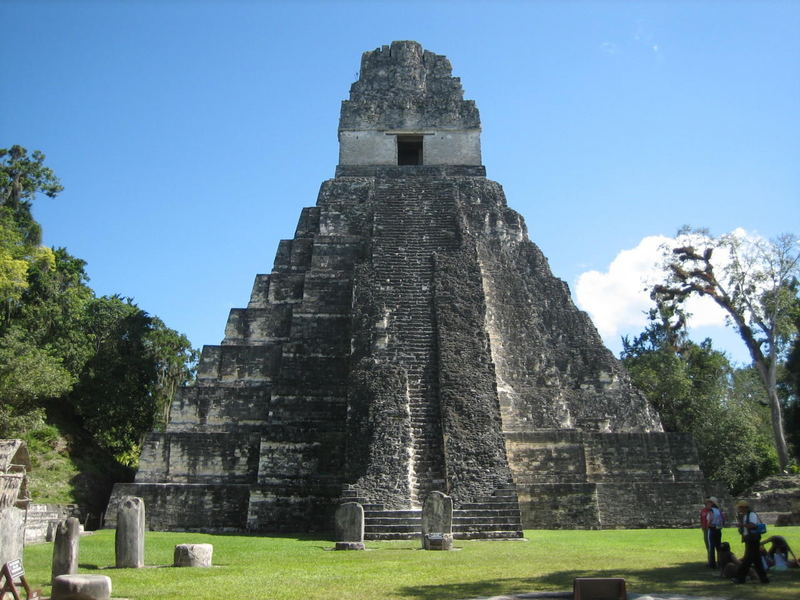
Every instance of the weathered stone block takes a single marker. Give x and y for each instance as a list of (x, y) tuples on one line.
[(437, 541), (349, 546), (193, 555), (81, 587)]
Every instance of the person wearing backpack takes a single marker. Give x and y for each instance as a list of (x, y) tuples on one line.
[(714, 530), (750, 527)]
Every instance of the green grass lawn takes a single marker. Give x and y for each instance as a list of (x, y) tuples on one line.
[(304, 567)]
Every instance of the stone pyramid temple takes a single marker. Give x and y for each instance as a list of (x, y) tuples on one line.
[(411, 338)]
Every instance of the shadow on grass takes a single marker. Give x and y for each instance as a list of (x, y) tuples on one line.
[(685, 578), (298, 537)]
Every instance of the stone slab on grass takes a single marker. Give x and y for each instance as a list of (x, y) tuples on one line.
[(81, 587), (193, 555)]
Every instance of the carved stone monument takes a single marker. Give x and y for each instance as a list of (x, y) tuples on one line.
[(349, 526), (411, 338), (437, 522), (129, 541), (66, 548)]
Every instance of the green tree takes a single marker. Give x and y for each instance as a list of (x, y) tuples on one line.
[(754, 282), (54, 310), (132, 374), (696, 391), (30, 371), (175, 364), (29, 375), (745, 431), (21, 178)]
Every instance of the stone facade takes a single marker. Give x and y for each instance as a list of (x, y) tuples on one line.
[(14, 498), (411, 338), (776, 499)]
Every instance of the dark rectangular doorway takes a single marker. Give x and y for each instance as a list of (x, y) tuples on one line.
[(409, 149)]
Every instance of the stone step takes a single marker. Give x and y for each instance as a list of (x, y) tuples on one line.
[(392, 528), (399, 514), (505, 491), (488, 535), (495, 534), (484, 505), (485, 513), (411, 521), (488, 526), (391, 536), (486, 520)]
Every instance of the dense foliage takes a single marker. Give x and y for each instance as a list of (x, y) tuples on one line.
[(100, 368), (696, 390)]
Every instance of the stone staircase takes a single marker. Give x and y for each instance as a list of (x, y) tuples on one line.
[(413, 219), (490, 517)]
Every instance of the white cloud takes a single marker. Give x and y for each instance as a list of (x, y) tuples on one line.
[(618, 300)]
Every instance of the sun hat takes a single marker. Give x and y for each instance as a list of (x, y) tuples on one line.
[(713, 499), (743, 503)]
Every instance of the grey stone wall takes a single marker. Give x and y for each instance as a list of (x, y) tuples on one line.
[(199, 457), (41, 520), (553, 370), (379, 433), (474, 448), (185, 507), (573, 479)]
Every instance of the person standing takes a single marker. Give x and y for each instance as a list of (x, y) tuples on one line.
[(713, 531), (704, 521), (748, 521)]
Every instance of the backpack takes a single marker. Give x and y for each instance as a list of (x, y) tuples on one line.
[(761, 528), (715, 519)]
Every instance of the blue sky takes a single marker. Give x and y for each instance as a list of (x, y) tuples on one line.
[(189, 135)]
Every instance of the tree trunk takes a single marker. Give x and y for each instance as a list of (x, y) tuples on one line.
[(777, 428), (768, 378), (767, 372)]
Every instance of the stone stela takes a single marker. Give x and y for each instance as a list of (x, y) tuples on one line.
[(349, 526), (66, 548), (411, 338), (437, 522), (129, 538)]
